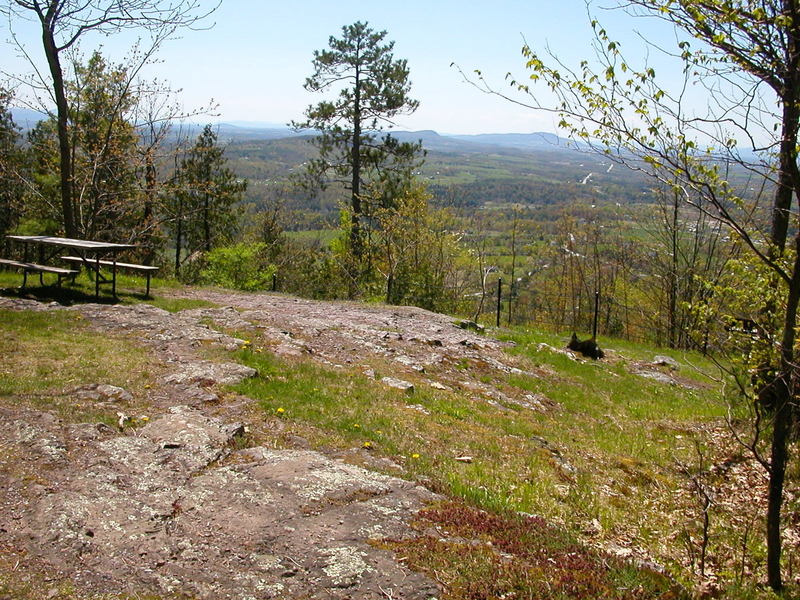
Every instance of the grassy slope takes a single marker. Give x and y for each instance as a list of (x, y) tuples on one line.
[(610, 460), (599, 416)]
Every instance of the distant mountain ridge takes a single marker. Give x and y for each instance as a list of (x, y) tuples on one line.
[(431, 140)]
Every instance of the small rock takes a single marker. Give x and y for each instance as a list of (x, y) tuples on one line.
[(206, 373), (593, 528), (297, 441), (399, 384), (666, 361), (559, 459), (104, 428), (534, 401), (287, 350), (471, 325), (102, 392), (195, 394), (408, 362), (233, 430), (438, 386), (657, 376)]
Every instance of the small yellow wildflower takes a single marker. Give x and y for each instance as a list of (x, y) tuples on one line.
[(259, 349), (415, 455), (366, 445), (144, 418), (280, 410), (379, 432), (147, 386), (356, 426)]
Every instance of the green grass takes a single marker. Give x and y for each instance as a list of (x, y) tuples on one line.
[(46, 354), (508, 473), (615, 431), (178, 304), (610, 461)]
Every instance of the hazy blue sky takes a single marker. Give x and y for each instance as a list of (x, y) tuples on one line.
[(254, 60)]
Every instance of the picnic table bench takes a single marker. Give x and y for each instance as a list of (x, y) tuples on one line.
[(29, 267), (91, 253), (146, 269)]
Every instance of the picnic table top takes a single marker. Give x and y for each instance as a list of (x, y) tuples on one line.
[(69, 243)]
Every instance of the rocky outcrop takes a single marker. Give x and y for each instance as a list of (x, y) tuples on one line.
[(173, 507)]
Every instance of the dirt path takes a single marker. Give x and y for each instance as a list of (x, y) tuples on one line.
[(176, 508)]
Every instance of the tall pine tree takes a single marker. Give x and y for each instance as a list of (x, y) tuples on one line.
[(373, 88)]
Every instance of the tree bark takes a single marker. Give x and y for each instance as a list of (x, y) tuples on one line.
[(781, 210), (150, 178), (672, 319), (179, 235), (62, 114), (355, 198), (784, 393), (783, 414), (206, 223), (789, 96)]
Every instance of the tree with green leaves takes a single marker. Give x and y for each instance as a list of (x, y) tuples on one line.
[(205, 192), (104, 142), (63, 24), (746, 54), (416, 252), (103, 162), (373, 87), (12, 164)]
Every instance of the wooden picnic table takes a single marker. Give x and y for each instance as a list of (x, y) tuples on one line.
[(90, 252)]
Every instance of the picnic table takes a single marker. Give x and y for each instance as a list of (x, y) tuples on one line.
[(90, 254)]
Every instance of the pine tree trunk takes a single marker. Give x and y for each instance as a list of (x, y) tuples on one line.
[(179, 236), (356, 245)]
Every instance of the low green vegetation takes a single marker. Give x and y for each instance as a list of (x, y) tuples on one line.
[(48, 354), (239, 267), (602, 449)]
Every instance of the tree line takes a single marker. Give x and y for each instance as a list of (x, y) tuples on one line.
[(131, 180)]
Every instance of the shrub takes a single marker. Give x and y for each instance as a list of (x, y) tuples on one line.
[(240, 267)]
